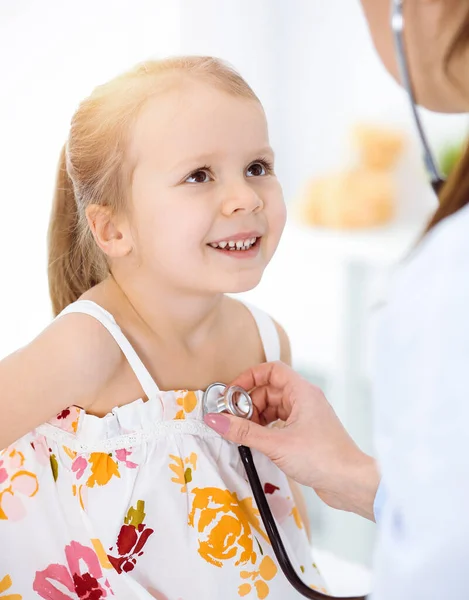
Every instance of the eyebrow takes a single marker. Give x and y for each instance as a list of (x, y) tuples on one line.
[(201, 159)]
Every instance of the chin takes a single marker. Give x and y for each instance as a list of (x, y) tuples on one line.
[(245, 283)]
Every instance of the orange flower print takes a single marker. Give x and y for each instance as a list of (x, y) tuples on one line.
[(183, 469), (295, 513), (5, 584), (188, 401), (226, 526), (16, 485), (266, 572), (96, 469), (80, 492), (103, 468), (317, 588)]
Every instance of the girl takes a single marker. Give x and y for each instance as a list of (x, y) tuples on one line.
[(166, 200)]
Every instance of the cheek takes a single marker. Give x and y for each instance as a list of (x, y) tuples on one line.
[(277, 215), (171, 231)]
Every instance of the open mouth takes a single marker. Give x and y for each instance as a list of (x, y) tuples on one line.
[(236, 246)]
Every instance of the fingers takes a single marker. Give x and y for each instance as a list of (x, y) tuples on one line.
[(244, 432), (269, 405), (275, 374), (268, 384)]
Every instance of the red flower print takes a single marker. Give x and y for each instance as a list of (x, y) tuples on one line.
[(132, 538), (87, 587), (81, 576), (270, 488)]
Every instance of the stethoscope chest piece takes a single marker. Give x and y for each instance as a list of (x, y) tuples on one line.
[(233, 399)]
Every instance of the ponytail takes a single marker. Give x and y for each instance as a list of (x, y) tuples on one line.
[(71, 270)]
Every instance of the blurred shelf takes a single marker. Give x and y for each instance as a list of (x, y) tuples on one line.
[(379, 246)]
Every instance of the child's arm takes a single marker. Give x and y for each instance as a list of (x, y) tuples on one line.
[(298, 498), (67, 364)]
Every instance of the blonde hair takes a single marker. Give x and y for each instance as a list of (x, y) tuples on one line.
[(91, 168)]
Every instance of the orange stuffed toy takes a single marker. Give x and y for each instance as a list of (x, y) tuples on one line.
[(360, 197)]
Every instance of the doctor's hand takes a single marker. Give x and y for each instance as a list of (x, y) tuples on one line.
[(313, 447)]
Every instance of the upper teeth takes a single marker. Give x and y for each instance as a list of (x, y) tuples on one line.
[(235, 245)]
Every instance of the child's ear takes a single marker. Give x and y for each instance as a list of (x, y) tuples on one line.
[(110, 233)]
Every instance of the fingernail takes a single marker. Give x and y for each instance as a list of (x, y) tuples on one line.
[(220, 423)]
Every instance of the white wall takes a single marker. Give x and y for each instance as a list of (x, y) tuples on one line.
[(52, 54)]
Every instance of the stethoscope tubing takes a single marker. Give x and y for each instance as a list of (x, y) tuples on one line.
[(274, 535), (220, 398)]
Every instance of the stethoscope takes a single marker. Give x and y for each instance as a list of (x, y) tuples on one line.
[(233, 399), (219, 398), (397, 27)]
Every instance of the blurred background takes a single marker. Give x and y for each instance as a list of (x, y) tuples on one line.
[(347, 156)]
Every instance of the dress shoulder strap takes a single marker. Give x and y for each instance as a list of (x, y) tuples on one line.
[(267, 331), (92, 309)]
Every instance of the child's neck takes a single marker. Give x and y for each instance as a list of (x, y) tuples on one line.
[(174, 317)]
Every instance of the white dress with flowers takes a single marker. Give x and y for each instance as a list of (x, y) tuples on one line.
[(145, 502)]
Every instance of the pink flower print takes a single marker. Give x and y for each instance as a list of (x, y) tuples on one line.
[(67, 419), (22, 483), (16, 484), (14, 459), (79, 466), (3, 473), (122, 455), (280, 506), (83, 584), (41, 450)]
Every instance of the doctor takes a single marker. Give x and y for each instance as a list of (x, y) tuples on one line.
[(419, 490)]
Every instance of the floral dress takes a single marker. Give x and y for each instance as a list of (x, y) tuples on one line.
[(145, 502)]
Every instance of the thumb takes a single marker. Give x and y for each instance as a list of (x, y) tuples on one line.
[(243, 432)]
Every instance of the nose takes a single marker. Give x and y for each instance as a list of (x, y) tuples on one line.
[(241, 198)]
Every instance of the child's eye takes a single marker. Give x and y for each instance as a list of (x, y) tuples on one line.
[(200, 176), (259, 168)]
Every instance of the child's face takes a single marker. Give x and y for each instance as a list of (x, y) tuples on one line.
[(202, 177)]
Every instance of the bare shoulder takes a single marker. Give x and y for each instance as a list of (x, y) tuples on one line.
[(241, 316), (84, 343), (285, 347), (66, 364)]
